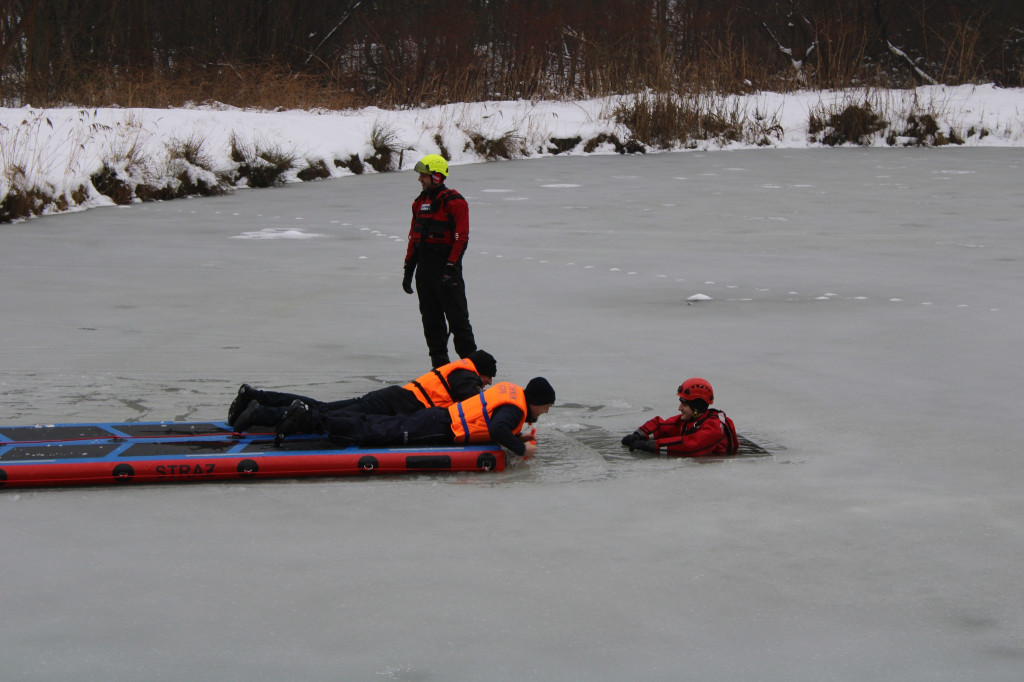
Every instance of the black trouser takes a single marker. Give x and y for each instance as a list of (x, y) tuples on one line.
[(443, 308), (431, 426), (388, 400)]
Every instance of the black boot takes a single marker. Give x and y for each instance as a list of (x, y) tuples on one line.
[(246, 394), (257, 415), (296, 419)]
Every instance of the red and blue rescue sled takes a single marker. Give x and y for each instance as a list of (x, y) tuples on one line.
[(186, 452)]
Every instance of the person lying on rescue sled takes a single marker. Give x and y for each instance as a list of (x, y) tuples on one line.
[(440, 387), (497, 415), (696, 431)]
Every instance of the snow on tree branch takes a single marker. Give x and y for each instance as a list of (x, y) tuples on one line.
[(910, 62)]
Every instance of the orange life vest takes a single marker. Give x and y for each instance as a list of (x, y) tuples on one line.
[(432, 388), (471, 418)]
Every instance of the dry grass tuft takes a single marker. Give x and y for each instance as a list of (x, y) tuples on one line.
[(259, 165), (508, 145), (849, 124), (314, 170), (665, 121), (387, 147)]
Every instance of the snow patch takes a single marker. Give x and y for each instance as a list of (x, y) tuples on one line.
[(278, 233)]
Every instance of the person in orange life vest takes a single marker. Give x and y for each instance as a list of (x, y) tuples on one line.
[(696, 431), (440, 387), (437, 242), (497, 415)]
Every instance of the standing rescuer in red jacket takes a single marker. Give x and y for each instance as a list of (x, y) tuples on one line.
[(696, 431), (437, 243)]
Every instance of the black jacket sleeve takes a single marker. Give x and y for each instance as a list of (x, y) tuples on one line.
[(503, 423), (463, 384)]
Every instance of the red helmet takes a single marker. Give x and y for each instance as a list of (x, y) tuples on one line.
[(695, 388)]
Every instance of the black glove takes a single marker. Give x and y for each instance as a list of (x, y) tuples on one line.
[(633, 437), (407, 280), (645, 445), (450, 278)]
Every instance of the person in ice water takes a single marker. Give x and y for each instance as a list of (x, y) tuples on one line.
[(497, 415), (440, 387), (437, 242), (696, 431)]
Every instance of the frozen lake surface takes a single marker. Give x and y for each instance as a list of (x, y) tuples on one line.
[(865, 311)]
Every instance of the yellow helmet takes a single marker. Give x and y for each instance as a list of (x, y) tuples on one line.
[(432, 163)]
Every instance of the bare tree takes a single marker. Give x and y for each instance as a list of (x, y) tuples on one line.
[(400, 52)]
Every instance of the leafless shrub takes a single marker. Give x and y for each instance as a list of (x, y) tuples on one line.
[(191, 169), (854, 123), (665, 121), (507, 145), (387, 147), (190, 150), (22, 199), (112, 182), (439, 141), (560, 145), (259, 165), (921, 129), (352, 163), (314, 170), (630, 146)]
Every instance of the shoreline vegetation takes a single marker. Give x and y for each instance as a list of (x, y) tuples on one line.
[(80, 84), (59, 160), (351, 54)]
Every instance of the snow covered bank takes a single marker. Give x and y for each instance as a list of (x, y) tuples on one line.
[(65, 159)]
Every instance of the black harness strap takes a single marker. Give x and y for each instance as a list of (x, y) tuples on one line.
[(444, 383), (423, 392)]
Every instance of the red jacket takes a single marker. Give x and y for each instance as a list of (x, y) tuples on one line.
[(440, 226), (709, 435)]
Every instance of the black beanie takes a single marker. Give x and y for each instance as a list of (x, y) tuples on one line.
[(539, 392), (484, 362)]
